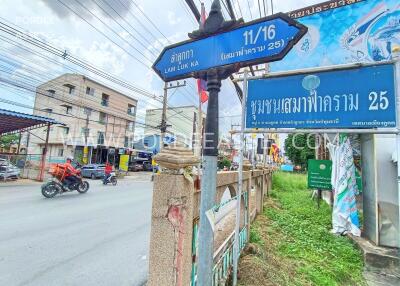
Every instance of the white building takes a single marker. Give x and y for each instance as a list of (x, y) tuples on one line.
[(183, 121), (94, 115)]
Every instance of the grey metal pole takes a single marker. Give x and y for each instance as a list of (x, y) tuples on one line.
[(164, 116), (265, 145), (236, 250), (199, 129), (209, 182), (396, 56)]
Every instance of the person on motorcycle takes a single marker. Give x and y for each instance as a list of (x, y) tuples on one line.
[(107, 171), (71, 172)]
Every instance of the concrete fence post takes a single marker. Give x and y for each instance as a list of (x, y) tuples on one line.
[(170, 258)]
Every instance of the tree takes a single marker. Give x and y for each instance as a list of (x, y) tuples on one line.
[(7, 140), (224, 162), (299, 148)]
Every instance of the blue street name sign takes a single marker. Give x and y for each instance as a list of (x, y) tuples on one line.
[(264, 40), (351, 98)]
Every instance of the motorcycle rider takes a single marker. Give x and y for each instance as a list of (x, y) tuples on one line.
[(107, 171), (71, 172)]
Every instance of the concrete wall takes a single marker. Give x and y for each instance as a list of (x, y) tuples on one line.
[(175, 211)]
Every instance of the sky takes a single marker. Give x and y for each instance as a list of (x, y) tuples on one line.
[(121, 37)]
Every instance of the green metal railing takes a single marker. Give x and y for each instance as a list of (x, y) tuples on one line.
[(224, 262), (223, 266)]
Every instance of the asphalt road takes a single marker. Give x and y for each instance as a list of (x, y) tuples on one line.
[(98, 238)]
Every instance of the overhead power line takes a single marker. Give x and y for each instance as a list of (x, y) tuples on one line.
[(66, 56), (148, 19), (126, 30), (105, 35), (248, 5), (81, 63)]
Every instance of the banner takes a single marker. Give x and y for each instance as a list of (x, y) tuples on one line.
[(348, 98), (344, 183), (124, 162), (363, 32)]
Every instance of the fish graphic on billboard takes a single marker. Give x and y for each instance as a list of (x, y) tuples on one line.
[(356, 37)]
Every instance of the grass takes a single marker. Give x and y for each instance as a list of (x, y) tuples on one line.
[(291, 243)]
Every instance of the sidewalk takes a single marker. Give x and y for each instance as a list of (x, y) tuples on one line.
[(139, 176), (19, 182)]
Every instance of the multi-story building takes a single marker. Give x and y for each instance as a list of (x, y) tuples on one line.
[(183, 126), (94, 115)]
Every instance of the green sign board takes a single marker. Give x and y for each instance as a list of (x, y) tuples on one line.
[(319, 174)]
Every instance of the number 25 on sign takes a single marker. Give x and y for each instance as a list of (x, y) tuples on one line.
[(378, 102)]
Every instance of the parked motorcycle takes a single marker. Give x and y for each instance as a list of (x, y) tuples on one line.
[(112, 179), (58, 183)]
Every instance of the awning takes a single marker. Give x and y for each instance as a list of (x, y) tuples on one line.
[(14, 122)]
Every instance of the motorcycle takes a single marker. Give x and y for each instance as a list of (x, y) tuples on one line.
[(112, 179), (58, 184)]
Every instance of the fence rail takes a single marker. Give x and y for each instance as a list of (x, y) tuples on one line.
[(28, 165)]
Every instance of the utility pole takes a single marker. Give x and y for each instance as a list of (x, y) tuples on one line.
[(88, 112), (19, 142), (44, 154), (232, 142), (163, 125), (232, 126), (265, 148)]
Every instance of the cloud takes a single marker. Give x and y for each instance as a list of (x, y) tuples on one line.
[(173, 19), (121, 7)]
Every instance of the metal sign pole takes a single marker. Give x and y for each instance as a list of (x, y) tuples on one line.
[(209, 182), (396, 56), (236, 250)]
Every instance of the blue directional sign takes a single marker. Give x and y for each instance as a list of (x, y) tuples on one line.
[(264, 40), (350, 98)]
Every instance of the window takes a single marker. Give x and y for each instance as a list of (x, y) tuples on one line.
[(104, 99), (90, 90), (71, 89), (65, 130), (100, 138), (131, 126), (126, 142), (68, 108), (60, 152), (48, 110), (51, 92), (103, 118), (85, 131), (87, 111), (131, 109)]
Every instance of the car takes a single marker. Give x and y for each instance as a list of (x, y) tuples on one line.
[(135, 166), (147, 166), (8, 170), (94, 171)]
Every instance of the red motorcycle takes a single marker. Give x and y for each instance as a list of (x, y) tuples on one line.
[(62, 183)]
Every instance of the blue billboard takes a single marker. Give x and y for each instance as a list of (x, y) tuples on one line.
[(351, 98), (340, 32)]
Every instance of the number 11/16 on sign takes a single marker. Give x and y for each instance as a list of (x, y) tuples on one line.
[(264, 40)]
